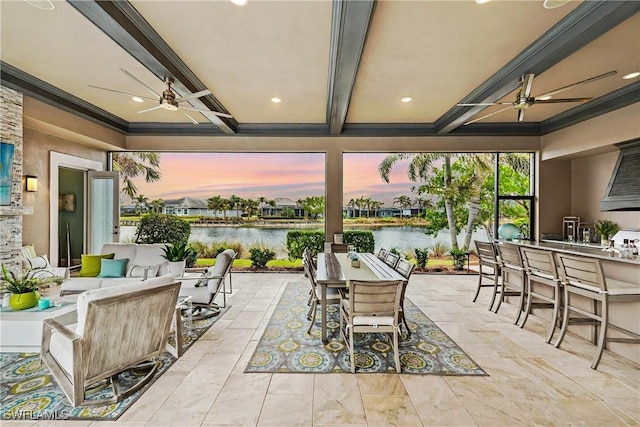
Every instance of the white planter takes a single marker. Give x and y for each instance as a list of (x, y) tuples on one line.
[(176, 268)]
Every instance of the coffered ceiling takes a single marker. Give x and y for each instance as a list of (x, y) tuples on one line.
[(340, 68)]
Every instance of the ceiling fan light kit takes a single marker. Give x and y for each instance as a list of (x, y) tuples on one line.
[(553, 4), (524, 99), (168, 100)]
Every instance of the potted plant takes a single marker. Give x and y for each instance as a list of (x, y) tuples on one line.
[(177, 255), (23, 289), (607, 229)]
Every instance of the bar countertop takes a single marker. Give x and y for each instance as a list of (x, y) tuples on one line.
[(592, 250)]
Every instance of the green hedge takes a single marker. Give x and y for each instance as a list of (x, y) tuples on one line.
[(362, 240), (161, 228), (297, 240)]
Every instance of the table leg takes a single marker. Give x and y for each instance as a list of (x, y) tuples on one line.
[(323, 311)]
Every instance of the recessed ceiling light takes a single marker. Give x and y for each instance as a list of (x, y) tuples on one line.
[(482, 1), (544, 98), (631, 75), (239, 2), (137, 99), (276, 100), (406, 99), (552, 4), (42, 4)]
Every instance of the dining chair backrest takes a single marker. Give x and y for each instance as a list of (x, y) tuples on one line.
[(539, 262), (509, 256), (486, 252), (581, 271), (379, 298), (405, 268), (382, 254), (392, 259)]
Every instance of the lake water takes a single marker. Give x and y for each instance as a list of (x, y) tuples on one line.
[(403, 238)]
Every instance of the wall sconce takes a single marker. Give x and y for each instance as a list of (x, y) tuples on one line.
[(31, 183)]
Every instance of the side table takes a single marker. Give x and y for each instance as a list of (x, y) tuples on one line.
[(183, 304)]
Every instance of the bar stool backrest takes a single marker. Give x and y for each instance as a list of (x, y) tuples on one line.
[(581, 271), (509, 256), (486, 253), (539, 262)]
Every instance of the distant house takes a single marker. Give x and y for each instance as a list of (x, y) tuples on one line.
[(281, 207), (186, 206)]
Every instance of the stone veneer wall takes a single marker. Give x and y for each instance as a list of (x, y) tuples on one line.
[(11, 216)]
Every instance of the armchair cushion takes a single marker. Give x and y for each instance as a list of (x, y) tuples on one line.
[(38, 262), (91, 264)]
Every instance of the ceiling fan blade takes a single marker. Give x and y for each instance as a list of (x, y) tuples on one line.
[(559, 100), (149, 109), (527, 84), (123, 93), (141, 82), (189, 117), (589, 80), (228, 116), (520, 115), (477, 104), (194, 95), (488, 115)]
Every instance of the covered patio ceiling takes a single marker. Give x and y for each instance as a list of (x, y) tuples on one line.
[(339, 68)]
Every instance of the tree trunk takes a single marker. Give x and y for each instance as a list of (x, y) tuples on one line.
[(474, 208), (448, 204)]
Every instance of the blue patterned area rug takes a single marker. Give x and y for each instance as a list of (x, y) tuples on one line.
[(286, 347), (29, 391)]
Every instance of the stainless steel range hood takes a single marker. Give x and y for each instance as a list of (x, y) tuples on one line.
[(623, 191)]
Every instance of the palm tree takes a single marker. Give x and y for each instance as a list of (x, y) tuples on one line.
[(236, 203), (141, 202), (133, 164), (214, 203), (225, 205), (352, 203), (156, 205), (403, 202), (376, 205), (250, 207), (271, 203)]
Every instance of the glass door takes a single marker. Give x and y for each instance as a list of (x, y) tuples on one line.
[(103, 210)]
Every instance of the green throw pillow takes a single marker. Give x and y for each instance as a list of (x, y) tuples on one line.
[(91, 264), (112, 267)]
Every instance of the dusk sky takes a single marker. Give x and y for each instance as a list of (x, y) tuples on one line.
[(272, 175)]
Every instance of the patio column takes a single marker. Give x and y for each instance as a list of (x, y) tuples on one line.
[(333, 190)]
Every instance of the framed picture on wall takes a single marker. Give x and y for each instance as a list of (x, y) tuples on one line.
[(67, 202), (6, 173)]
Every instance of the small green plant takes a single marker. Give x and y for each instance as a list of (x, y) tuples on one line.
[(439, 250), (395, 251), (19, 285), (178, 252), (459, 257), (606, 228), (260, 256), (422, 257)]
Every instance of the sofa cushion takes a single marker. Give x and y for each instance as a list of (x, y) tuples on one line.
[(80, 284), (38, 262), (27, 251), (149, 255), (61, 349), (86, 297), (113, 267), (122, 250), (91, 264)]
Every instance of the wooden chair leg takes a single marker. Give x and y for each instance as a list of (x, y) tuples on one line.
[(554, 316), (602, 337), (479, 285), (523, 295), (565, 319), (396, 352), (495, 288), (527, 308), (313, 310)]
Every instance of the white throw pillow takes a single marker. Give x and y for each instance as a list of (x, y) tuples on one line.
[(38, 262)]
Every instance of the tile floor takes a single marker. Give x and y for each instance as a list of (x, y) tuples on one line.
[(529, 382)]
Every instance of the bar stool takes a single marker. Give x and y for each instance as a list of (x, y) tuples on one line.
[(489, 267), (583, 276), (540, 267), (513, 277)]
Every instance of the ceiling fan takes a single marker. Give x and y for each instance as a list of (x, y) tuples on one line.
[(524, 99), (168, 100)]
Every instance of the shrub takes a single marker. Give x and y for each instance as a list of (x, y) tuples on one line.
[(422, 257), (362, 240), (459, 257), (395, 251), (298, 240), (162, 228), (261, 256), (439, 250)]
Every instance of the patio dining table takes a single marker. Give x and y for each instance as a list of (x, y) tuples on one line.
[(334, 270)]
